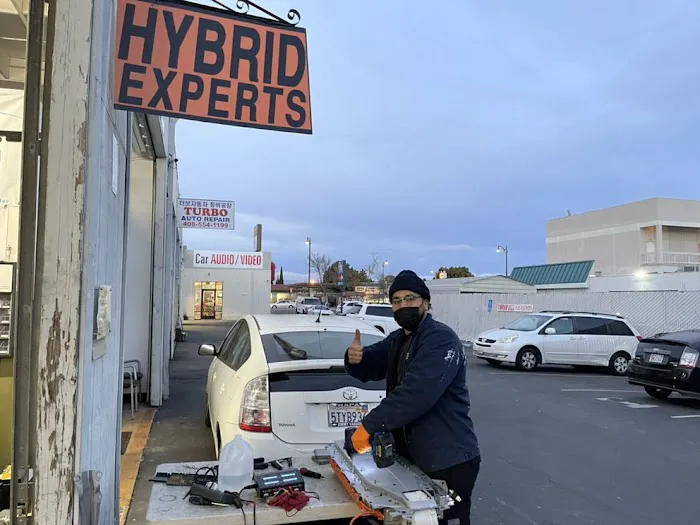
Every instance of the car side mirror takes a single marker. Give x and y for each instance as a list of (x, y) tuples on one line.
[(550, 331), (207, 350)]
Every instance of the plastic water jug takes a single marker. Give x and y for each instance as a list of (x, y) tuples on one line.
[(235, 465)]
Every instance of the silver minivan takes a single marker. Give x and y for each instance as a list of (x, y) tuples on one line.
[(561, 338)]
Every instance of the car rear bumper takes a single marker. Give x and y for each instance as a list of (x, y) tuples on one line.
[(683, 381)]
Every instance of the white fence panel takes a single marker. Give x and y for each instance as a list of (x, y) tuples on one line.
[(648, 312)]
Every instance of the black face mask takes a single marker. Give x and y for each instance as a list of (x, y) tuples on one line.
[(408, 317)]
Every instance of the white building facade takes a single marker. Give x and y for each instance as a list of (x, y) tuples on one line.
[(219, 285), (652, 236)]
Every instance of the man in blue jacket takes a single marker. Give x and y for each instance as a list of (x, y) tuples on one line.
[(427, 402)]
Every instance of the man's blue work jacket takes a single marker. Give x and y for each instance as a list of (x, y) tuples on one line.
[(427, 395)]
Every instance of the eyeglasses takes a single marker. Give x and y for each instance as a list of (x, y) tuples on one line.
[(406, 299)]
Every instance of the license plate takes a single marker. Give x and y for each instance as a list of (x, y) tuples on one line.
[(346, 414), (656, 358)]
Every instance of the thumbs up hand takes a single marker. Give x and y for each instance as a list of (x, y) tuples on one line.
[(355, 350)]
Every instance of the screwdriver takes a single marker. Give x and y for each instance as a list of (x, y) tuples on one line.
[(309, 473)]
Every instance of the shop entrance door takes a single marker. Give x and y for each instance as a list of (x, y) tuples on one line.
[(208, 304), (208, 300)]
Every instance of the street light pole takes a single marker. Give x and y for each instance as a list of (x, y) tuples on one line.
[(308, 242), (384, 287), (504, 249)]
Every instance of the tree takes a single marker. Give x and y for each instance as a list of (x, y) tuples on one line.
[(455, 272), (331, 275), (374, 267), (356, 277), (387, 281), (321, 264), (353, 276), (280, 279)]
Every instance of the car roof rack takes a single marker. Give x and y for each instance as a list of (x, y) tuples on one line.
[(579, 312)]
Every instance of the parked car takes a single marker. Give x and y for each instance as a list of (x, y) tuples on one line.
[(381, 316), (303, 303), (667, 363), (279, 381), (351, 309), (319, 309), (561, 338), (347, 306), (284, 305)]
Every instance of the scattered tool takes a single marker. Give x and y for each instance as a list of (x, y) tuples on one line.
[(182, 479), (382, 447), (261, 464), (349, 448), (201, 495), (310, 473), (291, 500), (321, 456)]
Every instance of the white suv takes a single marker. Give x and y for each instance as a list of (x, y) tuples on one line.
[(561, 338), (381, 316), (303, 304)]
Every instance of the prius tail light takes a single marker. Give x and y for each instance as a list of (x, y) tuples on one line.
[(255, 407)]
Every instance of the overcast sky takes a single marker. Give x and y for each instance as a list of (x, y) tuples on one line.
[(439, 135)]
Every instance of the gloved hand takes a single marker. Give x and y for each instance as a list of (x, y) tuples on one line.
[(360, 440)]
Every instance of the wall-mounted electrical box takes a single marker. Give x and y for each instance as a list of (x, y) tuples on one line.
[(102, 322)]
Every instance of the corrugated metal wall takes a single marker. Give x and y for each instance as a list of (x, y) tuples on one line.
[(100, 371), (649, 312)]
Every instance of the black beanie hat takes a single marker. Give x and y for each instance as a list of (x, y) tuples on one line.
[(408, 280)]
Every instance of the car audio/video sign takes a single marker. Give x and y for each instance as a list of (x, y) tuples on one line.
[(201, 63), (206, 214), (227, 260)]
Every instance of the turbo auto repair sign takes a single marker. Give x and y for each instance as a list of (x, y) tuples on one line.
[(235, 260), (206, 214), (197, 62)]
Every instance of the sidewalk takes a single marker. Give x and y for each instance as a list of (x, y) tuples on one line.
[(178, 432)]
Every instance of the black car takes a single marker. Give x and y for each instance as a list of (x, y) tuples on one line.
[(666, 363)]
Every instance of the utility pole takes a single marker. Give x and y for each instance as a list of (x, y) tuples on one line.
[(308, 242), (504, 249), (384, 286)]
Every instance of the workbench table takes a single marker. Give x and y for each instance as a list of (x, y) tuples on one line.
[(169, 506)]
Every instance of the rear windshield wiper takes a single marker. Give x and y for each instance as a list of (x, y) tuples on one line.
[(289, 349)]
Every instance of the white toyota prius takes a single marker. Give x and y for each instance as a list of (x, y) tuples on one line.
[(279, 382)]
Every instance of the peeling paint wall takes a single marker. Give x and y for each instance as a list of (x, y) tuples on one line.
[(83, 236), (100, 376)]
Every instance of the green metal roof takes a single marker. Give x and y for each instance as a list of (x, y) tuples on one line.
[(560, 273)]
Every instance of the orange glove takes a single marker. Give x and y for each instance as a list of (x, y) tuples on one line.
[(360, 440)]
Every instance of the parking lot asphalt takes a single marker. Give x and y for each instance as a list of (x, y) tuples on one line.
[(571, 448), (559, 447)]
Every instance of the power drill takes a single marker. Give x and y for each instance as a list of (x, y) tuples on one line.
[(382, 447)]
